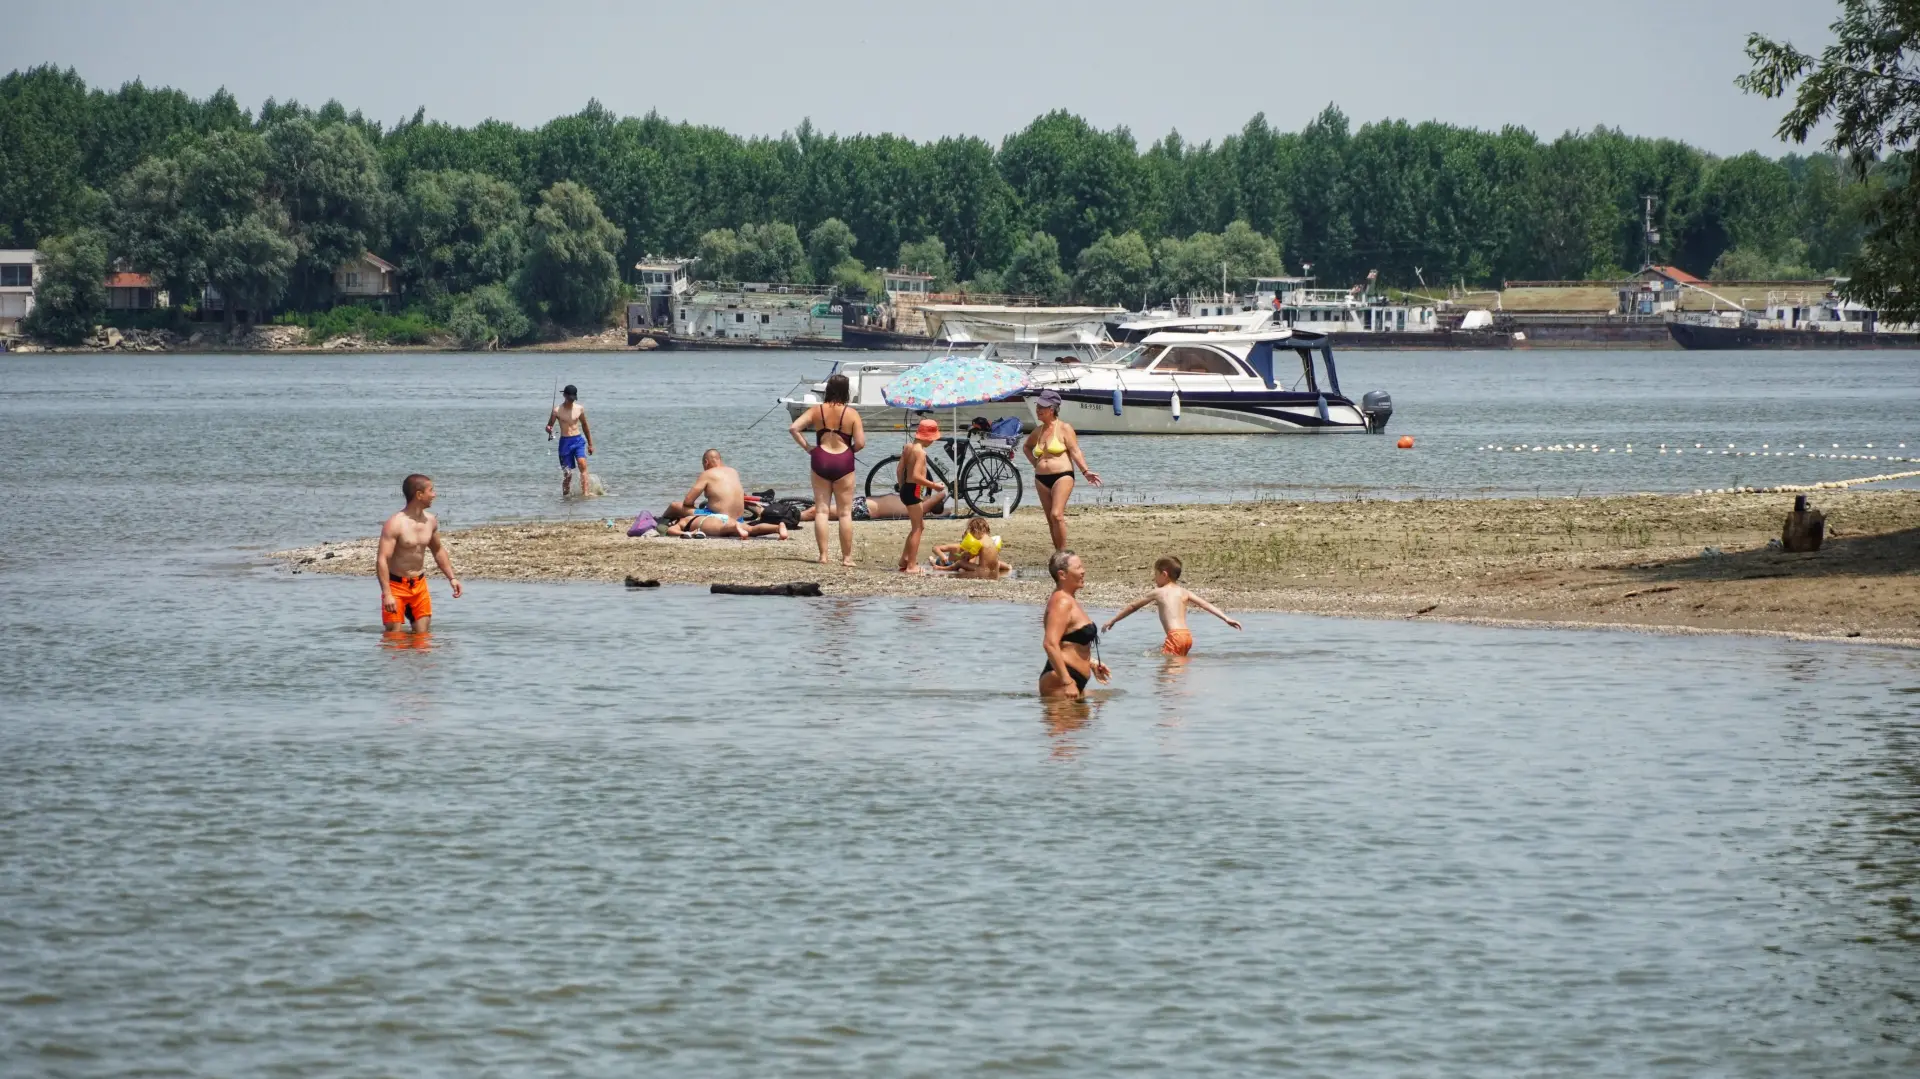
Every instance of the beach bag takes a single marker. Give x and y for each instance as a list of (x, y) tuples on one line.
[(779, 513), (642, 523)]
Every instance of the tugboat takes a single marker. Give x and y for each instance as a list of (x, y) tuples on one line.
[(1795, 320)]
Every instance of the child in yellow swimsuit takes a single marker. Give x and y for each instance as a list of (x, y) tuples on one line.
[(976, 555)]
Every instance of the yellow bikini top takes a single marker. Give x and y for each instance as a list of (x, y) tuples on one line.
[(970, 544), (1053, 448)]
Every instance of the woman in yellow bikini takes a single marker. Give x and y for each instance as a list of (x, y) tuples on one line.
[(1053, 449)]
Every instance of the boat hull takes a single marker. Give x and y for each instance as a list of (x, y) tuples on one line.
[(888, 340), (1694, 336), (1238, 413)]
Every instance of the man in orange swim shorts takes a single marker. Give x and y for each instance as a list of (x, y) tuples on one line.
[(401, 562), (1172, 599)]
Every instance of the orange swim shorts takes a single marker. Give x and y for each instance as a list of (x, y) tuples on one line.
[(411, 600), (1178, 643)]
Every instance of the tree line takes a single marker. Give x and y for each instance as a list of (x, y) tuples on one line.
[(497, 229)]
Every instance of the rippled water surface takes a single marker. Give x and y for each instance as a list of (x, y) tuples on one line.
[(583, 831)]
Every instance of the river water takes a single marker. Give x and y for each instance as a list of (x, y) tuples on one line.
[(581, 831)]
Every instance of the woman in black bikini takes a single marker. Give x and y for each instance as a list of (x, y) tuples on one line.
[(1054, 449), (841, 435), (1070, 634)]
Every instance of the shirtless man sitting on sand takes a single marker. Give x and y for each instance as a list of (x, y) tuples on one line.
[(402, 561), (726, 504)]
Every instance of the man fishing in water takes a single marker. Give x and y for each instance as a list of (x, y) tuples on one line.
[(576, 440), (401, 562)]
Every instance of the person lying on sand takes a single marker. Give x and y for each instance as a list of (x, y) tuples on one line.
[(1172, 600), (726, 505), (883, 507)]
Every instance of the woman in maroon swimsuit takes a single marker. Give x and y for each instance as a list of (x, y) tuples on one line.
[(831, 456)]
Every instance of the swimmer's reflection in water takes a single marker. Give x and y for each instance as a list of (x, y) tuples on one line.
[(406, 641), (1066, 718)]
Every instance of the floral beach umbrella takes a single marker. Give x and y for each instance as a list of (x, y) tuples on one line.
[(955, 382)]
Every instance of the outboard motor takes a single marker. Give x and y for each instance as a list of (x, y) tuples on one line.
[(1377, 407)]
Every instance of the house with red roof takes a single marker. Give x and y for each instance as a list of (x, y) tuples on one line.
[(133, 292)]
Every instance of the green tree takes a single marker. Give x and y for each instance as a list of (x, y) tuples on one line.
[(251, 262), (719, 255), (1035, 270), (1115, 270), (929, 256), (42, 123), (571, 274), (1195, 266), (1864, 85), (772, 252), (488, 317), (329, 183), (829, 244), (70, 292), (1755, 264), (204, 216), (1074, 182), (455, 231)]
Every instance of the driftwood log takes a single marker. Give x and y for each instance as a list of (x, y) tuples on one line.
[(797, 588), (635, 582), (1805, 528)]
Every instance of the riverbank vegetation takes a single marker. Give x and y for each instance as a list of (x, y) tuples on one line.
[(264, 206)]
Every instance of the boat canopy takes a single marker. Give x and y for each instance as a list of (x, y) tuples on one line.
[(1260, 348), (965, 323)]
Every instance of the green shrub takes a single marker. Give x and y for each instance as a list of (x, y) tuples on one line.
[(488, 316), (413, 326)]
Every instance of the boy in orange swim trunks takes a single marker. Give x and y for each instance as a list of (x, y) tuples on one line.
[(402, 561), (1173, 600)]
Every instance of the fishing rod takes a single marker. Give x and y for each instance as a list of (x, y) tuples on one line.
[(776, 404)]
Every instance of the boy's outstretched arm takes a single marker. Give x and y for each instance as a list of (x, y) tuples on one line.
[(1127, 610), (1212, 610)]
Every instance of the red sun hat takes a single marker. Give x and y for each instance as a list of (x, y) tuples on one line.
[(928, 431)]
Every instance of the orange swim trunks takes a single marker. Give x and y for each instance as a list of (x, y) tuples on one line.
[(1178, 643), (411, 600)]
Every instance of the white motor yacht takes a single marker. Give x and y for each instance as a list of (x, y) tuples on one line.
[(1176, 382)]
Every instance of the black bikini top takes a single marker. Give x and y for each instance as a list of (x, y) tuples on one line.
[(1086, 634)]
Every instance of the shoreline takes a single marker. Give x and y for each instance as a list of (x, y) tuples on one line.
[(1621, 562)]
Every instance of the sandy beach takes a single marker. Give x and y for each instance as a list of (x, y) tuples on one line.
[(1633, 561)]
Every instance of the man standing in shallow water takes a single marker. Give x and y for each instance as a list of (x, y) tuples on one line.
[(401, 563), (576, 439)]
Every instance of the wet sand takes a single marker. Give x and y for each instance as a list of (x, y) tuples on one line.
[(1632, 561)]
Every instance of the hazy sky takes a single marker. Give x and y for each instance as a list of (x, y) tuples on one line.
[(1651, 67)]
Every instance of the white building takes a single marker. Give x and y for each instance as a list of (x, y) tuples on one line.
[(17, 272), (756, 312)]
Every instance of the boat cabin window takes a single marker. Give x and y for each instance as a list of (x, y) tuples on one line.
[(1146, 358), (1191, 360)]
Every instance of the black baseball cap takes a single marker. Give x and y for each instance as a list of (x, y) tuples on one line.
[(571, 391)]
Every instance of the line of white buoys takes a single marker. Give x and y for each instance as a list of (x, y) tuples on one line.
[(1732, 450), (1797, 488)]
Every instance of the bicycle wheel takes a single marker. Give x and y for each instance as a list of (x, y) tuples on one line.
[(990, 479), (881, 477)]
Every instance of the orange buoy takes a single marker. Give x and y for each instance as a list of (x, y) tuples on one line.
[(1406, 442)]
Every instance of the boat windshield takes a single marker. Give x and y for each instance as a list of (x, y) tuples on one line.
[(1145, 359)]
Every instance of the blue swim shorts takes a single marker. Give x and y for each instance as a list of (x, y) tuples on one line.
[(573, 450)]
